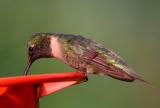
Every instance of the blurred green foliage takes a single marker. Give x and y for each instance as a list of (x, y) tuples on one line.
[(129, 27)]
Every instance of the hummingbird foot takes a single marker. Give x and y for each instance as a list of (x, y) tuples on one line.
[(86, 79)]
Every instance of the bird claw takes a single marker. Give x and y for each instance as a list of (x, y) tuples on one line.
[(86, 79)]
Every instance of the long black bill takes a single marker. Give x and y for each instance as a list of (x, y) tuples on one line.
[(27, 68)]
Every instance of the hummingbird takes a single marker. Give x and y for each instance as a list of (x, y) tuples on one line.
[(81, 53)]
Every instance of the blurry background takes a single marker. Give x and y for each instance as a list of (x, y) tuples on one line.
[(129, 27)]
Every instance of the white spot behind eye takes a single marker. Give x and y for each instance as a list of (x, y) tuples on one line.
[(32, 45)]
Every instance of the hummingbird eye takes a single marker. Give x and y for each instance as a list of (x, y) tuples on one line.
[(30, 49)]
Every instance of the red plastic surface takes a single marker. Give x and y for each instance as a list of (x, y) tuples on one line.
[(25, 91)]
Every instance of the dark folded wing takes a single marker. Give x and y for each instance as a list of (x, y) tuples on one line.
[(116, 70), (105, 60)]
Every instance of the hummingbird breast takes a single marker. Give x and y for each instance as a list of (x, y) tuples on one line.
[(57, 50)]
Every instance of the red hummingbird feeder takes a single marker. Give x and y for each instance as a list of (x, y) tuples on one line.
[(25, 91)]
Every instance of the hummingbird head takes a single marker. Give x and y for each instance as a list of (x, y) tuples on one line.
[(38, 47)]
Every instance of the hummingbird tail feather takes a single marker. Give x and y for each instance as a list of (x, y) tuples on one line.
[(119, 76), (138, 77), (129, 77)]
